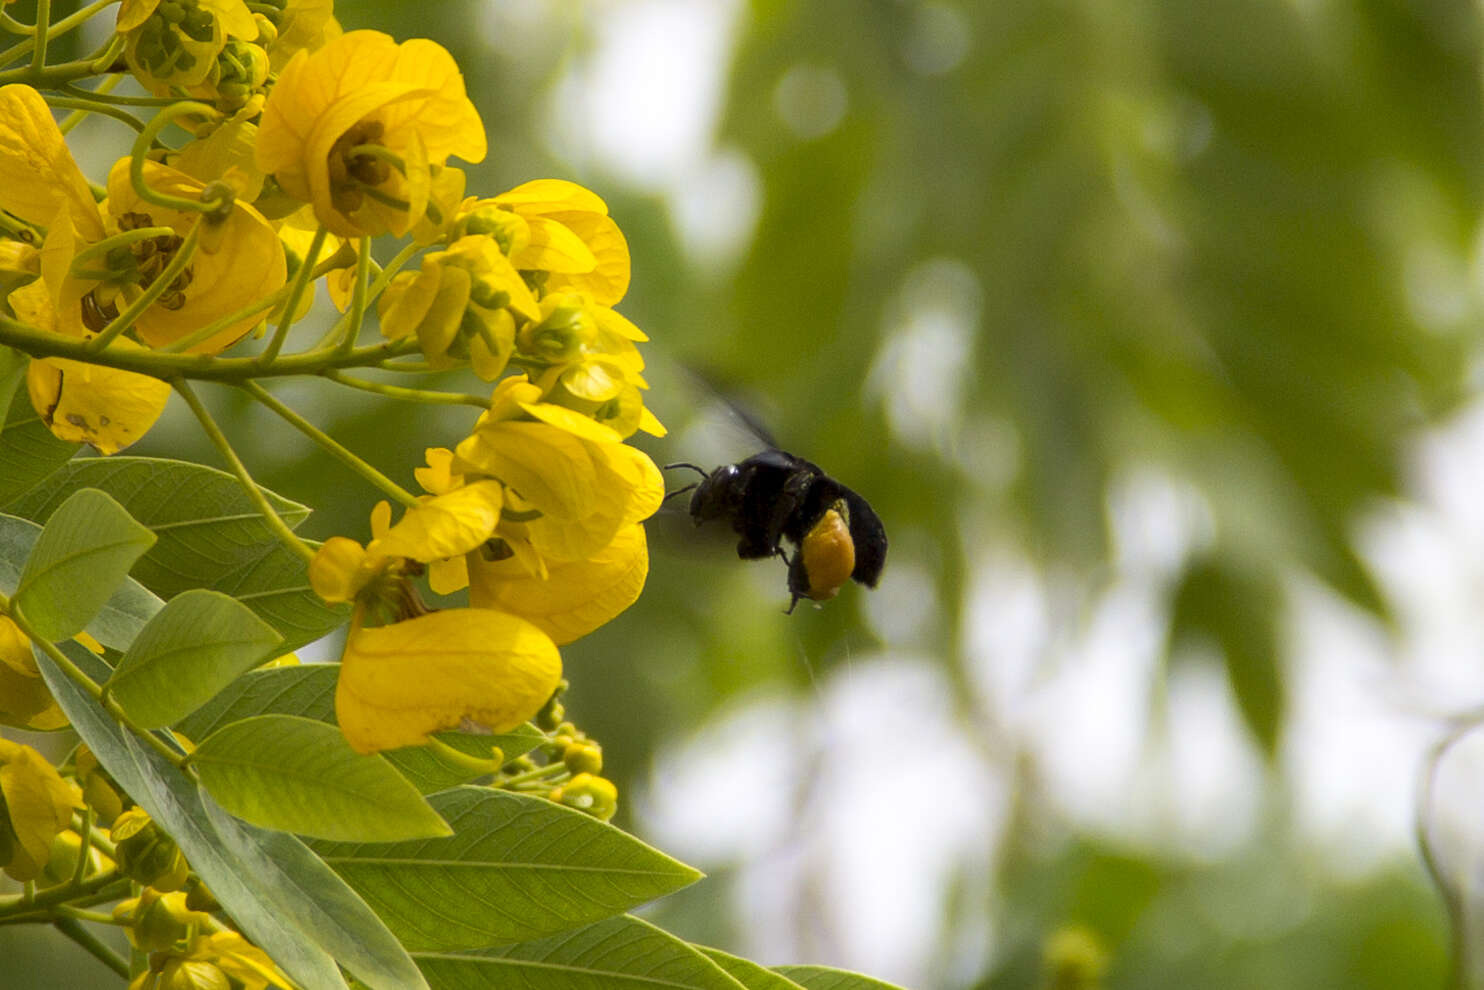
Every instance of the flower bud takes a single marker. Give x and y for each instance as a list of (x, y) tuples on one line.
[(156, 920), (583, 758), (146, 854), (595, 795)]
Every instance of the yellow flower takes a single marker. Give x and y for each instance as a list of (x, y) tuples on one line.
[(238, 259), (402, 682), (463, 303), (38, 805), (302, 25), (571, 237), (238, 262), (355, 127), (577, 484), (176, 42), (225, 153), (25, 701), (574, 597), (38, 176), (92, 403)]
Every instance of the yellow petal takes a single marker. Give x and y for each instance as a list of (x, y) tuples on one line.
[(577, 596), (26, 703), (608, 280), (554, 248), (400, 683), (93, 404), (241, 262), (336, 573), (550, 468), (439, 476), (444, 526), (551, 196), (37, 173), (40, 804), (447, 576), (571, 421)]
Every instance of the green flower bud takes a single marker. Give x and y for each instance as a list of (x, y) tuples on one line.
[(595, 795), (1074, 958), (146, 854), (583, 758), (154, 920)]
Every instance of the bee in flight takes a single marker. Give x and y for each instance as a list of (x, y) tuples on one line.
[(773, 498)]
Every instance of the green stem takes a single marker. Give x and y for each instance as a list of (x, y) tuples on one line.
[(250, 488), (14, 26), (540, 773), (145, 141), (96, 917), (195, 367), (67, 89), (56, 30), (427, 396), (474, 764), (84, 847), (39, 35), (356, 315), (378, 285), (94, 890), (74, 930), (122, 239), (302, 279), (331, 446), (92, 106), (78, 116), (153, 292)]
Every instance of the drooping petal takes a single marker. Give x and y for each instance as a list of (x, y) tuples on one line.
[(608, 279), (93, 404), (402, 682), (237, 264), (576, 597), (37, 173), (550, 468), (40, 803), (443, 526)]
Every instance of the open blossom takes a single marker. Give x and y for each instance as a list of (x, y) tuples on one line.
[(356, 127), (237, 261), (418, 674)]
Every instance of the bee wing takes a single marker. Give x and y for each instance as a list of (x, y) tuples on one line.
[(869, 536)]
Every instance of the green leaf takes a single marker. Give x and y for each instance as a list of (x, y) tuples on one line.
[(175, 804), (198, 644), (1238, 610), (12, 373), (516, 867), (29, 451), (299, 775), (309, 690), (82, 556), (619, 952), (748, 973), (122, 616), (210, 536), (319, 903), (827, 978), (276, 587)]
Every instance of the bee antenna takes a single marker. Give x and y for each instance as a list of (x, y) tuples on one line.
[(680, 491), (687, 464)]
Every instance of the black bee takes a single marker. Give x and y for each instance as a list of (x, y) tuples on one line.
[(774, 497)]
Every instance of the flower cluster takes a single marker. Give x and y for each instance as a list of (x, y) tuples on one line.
[(303, 144)]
